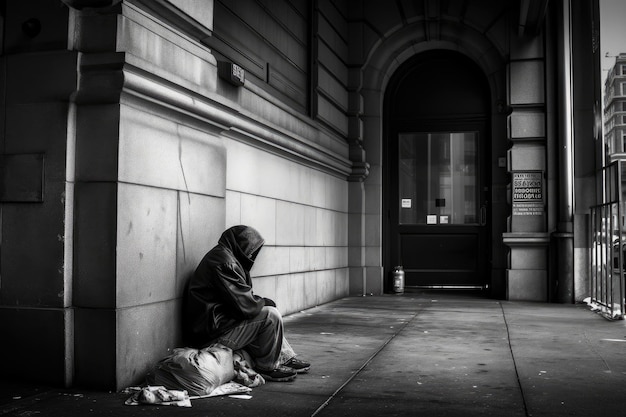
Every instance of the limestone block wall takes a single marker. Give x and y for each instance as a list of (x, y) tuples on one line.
[(302, 214), (167, 156), (290, 185), (139, 238), (149, 188), (147, 157)]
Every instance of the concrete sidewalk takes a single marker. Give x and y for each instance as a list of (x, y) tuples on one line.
[(426, 353)]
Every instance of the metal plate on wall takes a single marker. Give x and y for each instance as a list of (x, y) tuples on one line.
[(21, 178)]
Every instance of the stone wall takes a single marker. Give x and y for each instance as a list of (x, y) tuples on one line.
[(145, 156), (38, 79)]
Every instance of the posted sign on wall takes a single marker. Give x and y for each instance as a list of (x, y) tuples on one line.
[(528, 193)]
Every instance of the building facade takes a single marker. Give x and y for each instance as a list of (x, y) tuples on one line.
[(615, 110), (452, 138)]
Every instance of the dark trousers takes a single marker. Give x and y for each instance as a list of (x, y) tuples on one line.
[(262, 337)]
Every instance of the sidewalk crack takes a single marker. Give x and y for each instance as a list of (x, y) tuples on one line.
[(517, 377)]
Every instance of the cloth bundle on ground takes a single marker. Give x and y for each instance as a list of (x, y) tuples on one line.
[(198, 371), (201, 371)]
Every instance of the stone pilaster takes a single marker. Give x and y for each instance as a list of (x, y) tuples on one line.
[(527, 237)]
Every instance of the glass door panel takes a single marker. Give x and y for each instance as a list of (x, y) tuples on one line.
[(438, 181)]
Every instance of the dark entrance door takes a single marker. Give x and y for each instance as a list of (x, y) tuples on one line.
[(437, 176)]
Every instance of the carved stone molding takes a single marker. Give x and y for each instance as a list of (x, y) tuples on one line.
[(234, 124)]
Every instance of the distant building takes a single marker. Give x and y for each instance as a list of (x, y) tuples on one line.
[(615, 110)]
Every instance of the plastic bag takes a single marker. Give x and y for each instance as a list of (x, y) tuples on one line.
[(197, 371)]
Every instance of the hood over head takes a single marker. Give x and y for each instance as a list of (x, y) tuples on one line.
[(244, 242)]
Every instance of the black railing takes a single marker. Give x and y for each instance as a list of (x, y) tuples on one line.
[(607, 261), (608, 256)]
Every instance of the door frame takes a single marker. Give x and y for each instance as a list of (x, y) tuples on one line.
[(391, 128), (481, 228)]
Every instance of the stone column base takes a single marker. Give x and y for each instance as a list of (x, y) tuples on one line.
[(527, 275)]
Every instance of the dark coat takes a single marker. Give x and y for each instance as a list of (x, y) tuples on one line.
[(219, 295)]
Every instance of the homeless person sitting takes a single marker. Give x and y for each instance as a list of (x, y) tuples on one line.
[(222, 308)]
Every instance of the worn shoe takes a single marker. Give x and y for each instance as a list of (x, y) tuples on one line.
[(280, 374), (298, 365)]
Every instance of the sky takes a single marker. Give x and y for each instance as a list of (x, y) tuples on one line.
[(612, 32)]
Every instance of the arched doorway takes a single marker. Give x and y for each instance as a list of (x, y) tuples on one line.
[(437, 172)]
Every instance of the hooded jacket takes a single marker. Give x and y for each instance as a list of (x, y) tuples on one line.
[(220, 293)]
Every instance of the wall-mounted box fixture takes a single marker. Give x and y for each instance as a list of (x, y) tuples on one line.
[(231, 73)]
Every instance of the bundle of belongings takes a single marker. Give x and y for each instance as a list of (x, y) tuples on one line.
[(190, 373)]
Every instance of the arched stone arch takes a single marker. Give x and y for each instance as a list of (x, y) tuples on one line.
[(382, 60), (393, 49)]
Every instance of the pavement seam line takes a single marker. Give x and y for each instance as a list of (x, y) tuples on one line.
[(595, 352), (367, 362), (508, 338)]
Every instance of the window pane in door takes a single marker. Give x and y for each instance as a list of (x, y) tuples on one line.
[(438, 178)]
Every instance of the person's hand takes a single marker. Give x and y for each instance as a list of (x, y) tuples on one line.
[(269, 302)]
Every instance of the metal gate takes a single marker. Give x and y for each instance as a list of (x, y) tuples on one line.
[(608, 247)]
